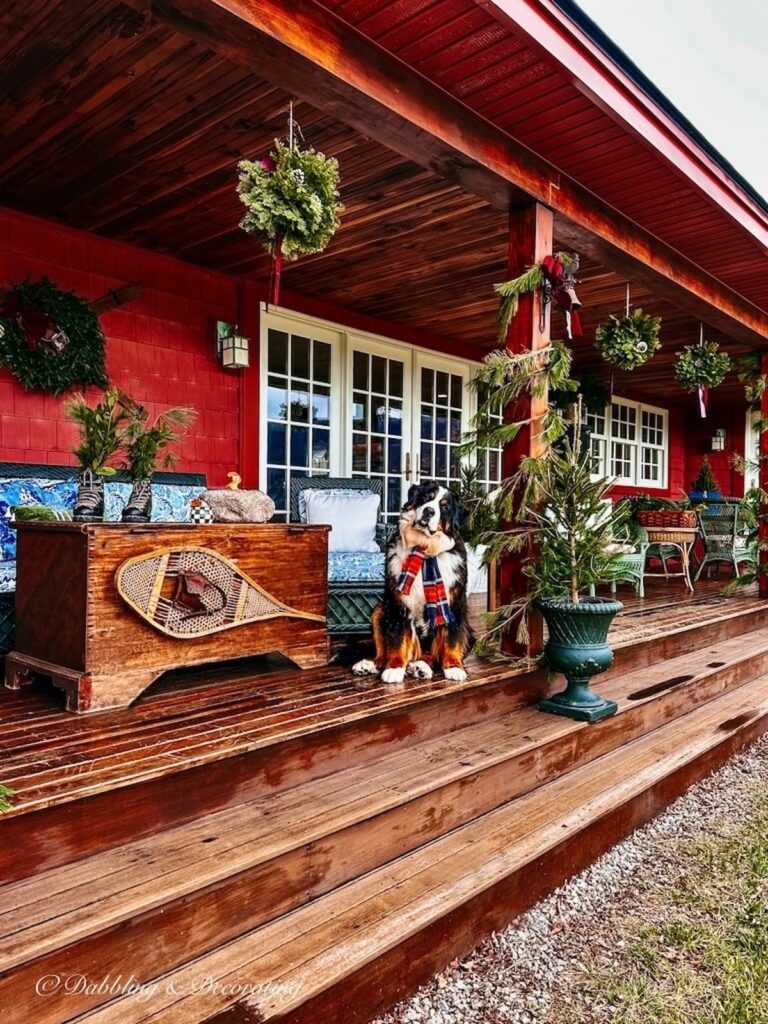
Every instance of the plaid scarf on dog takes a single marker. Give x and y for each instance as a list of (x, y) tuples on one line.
[(438, 609)]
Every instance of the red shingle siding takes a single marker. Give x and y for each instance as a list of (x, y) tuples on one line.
[(160, 347)]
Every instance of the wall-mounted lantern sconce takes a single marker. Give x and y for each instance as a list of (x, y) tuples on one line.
[(232, 346), (718, 440)]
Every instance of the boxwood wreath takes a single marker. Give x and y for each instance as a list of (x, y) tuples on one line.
[(50, 339), (628, 341), (701, 366)]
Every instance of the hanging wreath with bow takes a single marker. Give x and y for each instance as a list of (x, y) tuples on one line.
[(50, 339), (292, 198), (628, 341), (556, 277), (701, 367)]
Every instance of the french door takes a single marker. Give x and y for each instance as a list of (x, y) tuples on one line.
[(342, 404)]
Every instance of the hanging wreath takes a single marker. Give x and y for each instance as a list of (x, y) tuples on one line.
[(50, 339), (702, 366), (628, 341), (555, 275), (292, 198)]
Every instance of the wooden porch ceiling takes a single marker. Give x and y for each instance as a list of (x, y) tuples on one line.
[(126, 128)]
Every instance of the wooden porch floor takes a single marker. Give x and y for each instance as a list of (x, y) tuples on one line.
[(253, 820), (196, 717)]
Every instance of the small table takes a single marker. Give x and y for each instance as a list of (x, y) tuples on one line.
[(681, 537)]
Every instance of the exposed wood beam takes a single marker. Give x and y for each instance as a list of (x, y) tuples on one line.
[(315, 55)]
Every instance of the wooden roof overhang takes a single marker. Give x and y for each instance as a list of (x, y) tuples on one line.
[(129, 122)]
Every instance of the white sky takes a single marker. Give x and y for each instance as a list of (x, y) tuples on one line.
[(710, 58)]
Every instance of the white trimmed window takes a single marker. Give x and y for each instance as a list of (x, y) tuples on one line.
[(629, 441)]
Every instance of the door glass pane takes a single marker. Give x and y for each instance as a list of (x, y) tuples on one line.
[(298, 412), (321, 365), (377, 423), (442, 402), (300, 357), (278, 352)]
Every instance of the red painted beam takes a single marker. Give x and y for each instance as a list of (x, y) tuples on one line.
[(312, 53), (530, 240)]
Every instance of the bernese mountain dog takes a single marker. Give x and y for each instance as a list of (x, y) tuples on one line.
[(422, 621)]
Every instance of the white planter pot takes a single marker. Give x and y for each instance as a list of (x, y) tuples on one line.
[(477, 571)]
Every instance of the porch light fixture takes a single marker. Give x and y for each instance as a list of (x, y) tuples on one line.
[(718, 440), (232, 346)]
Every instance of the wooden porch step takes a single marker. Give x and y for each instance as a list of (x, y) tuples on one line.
[(350, 953), (231, 734), (156, 903)]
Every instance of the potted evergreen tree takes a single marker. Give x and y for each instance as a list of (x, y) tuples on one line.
[(704, 484), (557, 519), (144, 442)]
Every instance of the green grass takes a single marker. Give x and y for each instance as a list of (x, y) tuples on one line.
[(5, 799), (708, 962)]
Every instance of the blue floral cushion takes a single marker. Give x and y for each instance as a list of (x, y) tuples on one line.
[(32, 491), (7, 577), (170, 502), (356, 566)]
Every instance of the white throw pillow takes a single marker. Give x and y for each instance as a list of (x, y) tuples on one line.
[(352, 516)]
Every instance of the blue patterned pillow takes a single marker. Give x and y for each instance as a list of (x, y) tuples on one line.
[(170, 502), (31, 491)]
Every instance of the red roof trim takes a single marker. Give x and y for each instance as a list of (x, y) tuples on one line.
[(591, 71)]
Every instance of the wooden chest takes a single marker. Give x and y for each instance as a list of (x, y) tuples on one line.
[(104, 647)]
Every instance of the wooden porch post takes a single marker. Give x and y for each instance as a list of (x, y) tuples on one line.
[(762, 480), (530, 240)]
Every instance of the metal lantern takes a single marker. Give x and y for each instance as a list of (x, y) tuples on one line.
[(232, 346), (718, 440)]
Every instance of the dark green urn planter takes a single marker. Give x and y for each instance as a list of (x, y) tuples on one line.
[(577, 647)]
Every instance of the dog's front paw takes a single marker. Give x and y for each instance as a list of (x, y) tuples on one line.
[(420, 669), (366, 667), (456, 675), (393, 675)]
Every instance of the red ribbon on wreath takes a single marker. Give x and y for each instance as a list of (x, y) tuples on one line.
[(563, 292), (34, 322)]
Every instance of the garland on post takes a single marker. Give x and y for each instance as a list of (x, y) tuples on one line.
[(292, 198), (50, 339), (555, 275)]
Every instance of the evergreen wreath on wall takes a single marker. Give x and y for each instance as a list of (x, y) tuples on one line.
[(628, 341), (50, 339)]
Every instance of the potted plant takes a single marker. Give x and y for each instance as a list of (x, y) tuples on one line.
[(704, 484), (144, 442), (628, 341), (557, 521), (102, 433)]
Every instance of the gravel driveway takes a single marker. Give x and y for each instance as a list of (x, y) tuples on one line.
[(550, 965)]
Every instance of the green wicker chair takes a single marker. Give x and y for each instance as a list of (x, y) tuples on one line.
[(723, 533), (350, 601), (630, 568)]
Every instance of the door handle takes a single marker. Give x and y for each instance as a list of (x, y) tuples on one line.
[(408, 466), (417, 475)]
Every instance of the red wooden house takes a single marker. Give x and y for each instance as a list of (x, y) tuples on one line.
[(277, 832)]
